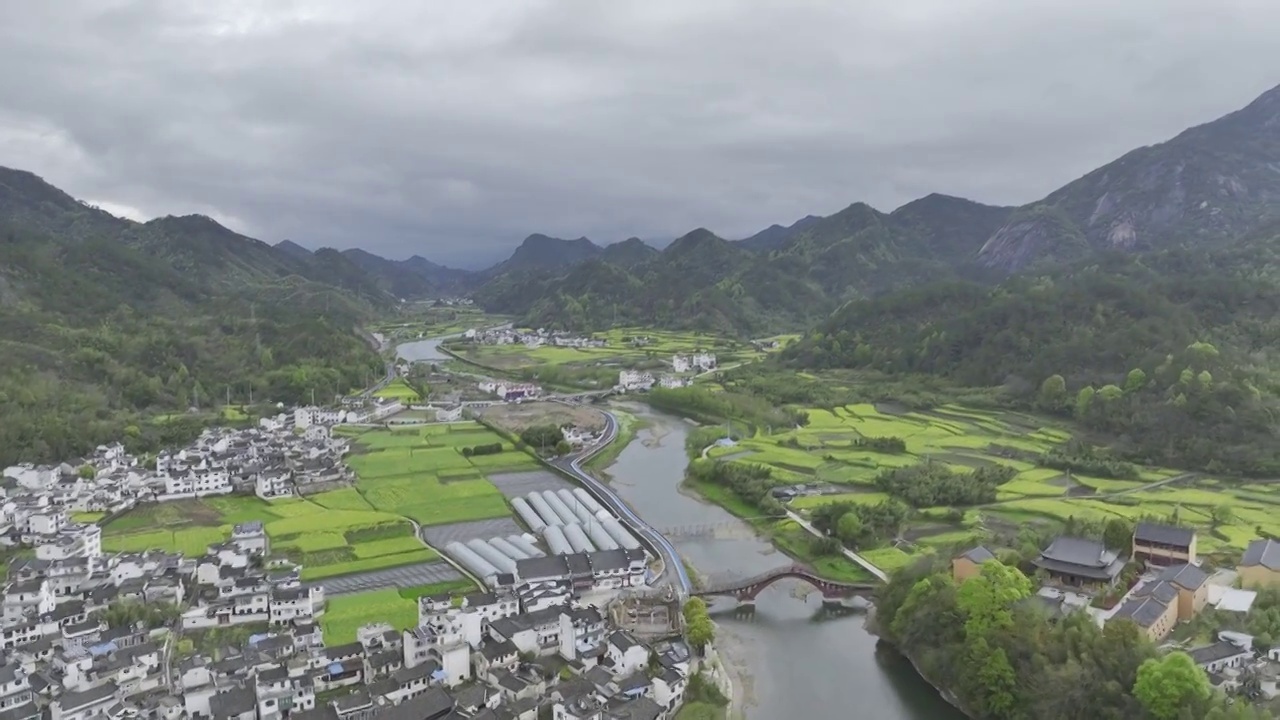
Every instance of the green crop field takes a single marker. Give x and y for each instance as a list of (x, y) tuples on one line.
[(625, 347), (345, 614), (398, 390), (825, 452), (327, 539), (417, 474), (422, 473)]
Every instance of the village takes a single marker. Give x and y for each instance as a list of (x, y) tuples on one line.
[(1162, 586), (235, 632)]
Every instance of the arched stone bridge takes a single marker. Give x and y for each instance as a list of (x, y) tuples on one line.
[(746, 589)]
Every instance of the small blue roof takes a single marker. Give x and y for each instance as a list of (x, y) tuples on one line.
[(255, 639), (335, 668)]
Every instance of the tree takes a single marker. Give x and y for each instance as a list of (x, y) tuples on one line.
[(1168, 684), (1118, 533), (1084, 399), (1053, 393), (1222, 515), (1135, 380), (86, 471), (994, 682), (986, 600), (701, 632), (563, 448), (849, 528)]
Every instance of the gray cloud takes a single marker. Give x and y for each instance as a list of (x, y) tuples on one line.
[(453, 131)]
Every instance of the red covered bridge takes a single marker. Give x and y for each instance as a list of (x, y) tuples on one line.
[(746, 589)]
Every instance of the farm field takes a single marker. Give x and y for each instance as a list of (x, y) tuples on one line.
[(327, 539), (405, 476), (398, 606), (620, 350), (434, 322), (422, 474), (398, 390), (826, 452)]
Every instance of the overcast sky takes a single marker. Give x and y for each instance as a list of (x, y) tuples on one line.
[(454, 129)]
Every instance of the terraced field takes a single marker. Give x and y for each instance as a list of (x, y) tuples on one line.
[(827, 452)]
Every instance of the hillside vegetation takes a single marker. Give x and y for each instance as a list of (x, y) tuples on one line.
[(1171, 353), (105, 324)]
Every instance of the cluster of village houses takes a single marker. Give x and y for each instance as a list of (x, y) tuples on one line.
[(1172, 589), (531, 649), (639, 380), (508, 335), (271, 461)]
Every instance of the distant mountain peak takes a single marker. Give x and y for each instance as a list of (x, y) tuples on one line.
[(775, 236), (693, 239), (543, 252), (1210, 184), (292, 249)]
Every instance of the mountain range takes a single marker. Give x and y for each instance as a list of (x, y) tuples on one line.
[(1206, 186), (1203, 189), (103, 320)]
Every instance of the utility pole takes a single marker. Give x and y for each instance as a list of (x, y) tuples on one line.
[(228, 394), (250, 392)]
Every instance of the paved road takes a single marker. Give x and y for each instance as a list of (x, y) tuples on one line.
[(673, 568), (866, 564), (404, 576)]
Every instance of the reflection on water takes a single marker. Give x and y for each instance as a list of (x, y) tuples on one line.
[(798, 657)]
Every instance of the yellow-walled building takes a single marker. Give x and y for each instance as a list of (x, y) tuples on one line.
[(968, 564), (1260, 566)]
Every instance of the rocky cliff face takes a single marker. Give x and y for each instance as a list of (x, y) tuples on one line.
[(1207, 185)]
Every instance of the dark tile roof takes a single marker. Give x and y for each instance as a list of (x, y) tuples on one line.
[(431, 705), (536, 568), (26, 711), (634, 681), (232, 703), (641, 708), (1220, 650), (1160, 590), (1144, 611), (423, 671), (622, 640), (1184, 575), (603, 560), (509, 626), (509, 682), (337, 652), (494, 650), (1079, 557), (578, 563), (1262, 552), (1164, 534), (102, 693), (978, 555)]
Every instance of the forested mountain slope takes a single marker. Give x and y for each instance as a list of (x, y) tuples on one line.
[(1173, 352), (104, 322), (703, 281)]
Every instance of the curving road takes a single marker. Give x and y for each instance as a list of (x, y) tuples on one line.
[(672, 567)]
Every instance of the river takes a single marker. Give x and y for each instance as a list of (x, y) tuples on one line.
[(423, 350), (791, 658)]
